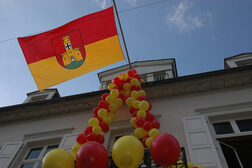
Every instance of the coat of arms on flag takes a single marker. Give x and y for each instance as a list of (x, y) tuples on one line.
[(69, 49)]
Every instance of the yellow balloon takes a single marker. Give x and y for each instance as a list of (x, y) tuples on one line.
[(127, 152), (112, 107), (129, 101), (134, 81), (119, 102), (134, 94), (179, 164), (110, 99), (124, 75), (58, 158), (141, 93), (148, 141), (102, 112), (132, 122), (126, 86), (107, 120), (154, 132), (190, 165), (75, 149), (93, 122), (141, 113), (97, 130), (139, 132), (144, 105), (135, 104), (112, 116), (114, 92), (111, 86)]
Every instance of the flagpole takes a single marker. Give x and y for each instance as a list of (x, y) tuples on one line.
[(125, 46)]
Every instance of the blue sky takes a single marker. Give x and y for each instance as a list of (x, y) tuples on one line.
[(199, 34)]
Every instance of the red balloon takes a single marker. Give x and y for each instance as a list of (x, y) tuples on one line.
[(88, 130), (140, 121), (100, 139), (141, 98), (133, 87), (103, 104), (92, 155), (156, 124), (128, 80), (150, 107), (150, 117), (116, 81), (95, 110), (165, 149), (147, 125), (137, 76), (81, 138), (104, 126), (104, 95), (91, 137)]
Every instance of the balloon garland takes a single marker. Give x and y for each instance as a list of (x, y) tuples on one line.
[(127, 151)]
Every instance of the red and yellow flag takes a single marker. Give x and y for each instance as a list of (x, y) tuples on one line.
[(76, 48)]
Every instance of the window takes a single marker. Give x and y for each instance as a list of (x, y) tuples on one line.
[(33, 159), (244, 125), (223, 128), (160, 76)]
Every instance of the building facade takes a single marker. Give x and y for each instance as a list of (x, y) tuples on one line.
[(209, 113)]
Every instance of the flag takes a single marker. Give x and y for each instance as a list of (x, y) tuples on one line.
[(76, 48)]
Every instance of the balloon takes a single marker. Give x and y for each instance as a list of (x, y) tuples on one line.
[(111, 86), (93, 121), (137, 76), (104, 95), (149, 116), (131, 73), (102, 112), (126, 86), (81, 138), (144, 105), (134, 81), (148, 141), (112, 116), (135, 104), (58, 158), (107, 120), (75, 149), (141, 113), (133, 122), (112, 107), (119, 102), (95, 110), (91, 137), (92, 155), (140, 98), (140, 132), (114, 92), (201, 167), (140, 121), (103, 104), (134, 87), (134, 94), (100, 139), (147, 125), (165, 149), (156, 124), (124, 75), (104, 126), (97, 130), (154, 132), (127, 152), (88, 130), (116, 81), (190, 165), (141, 93), (110, 99), (129, 101)]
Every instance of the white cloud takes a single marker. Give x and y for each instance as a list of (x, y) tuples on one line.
[(181, 19), (101, 3)]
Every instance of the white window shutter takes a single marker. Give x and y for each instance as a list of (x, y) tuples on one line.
[(200, 143), (68, 141), (8, 152)]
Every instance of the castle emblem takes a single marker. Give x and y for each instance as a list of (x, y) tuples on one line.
[(72, 57)]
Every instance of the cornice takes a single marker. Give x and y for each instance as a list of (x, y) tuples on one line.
[(188, 85)]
